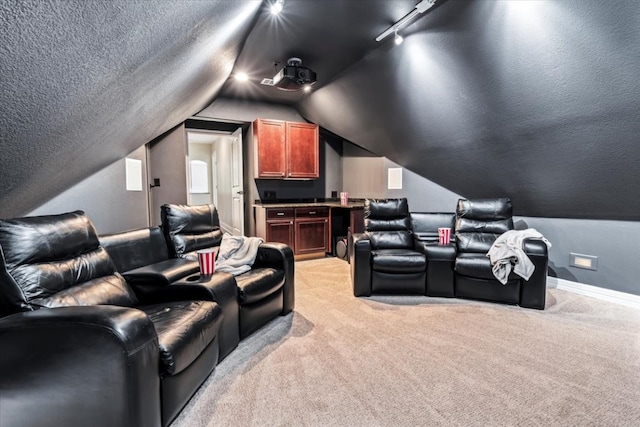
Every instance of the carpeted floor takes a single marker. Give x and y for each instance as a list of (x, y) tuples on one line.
[(417, 361)]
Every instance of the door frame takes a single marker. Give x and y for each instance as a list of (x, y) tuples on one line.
[(229, 128)]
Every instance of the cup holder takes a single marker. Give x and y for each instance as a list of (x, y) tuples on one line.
[(193, 278)]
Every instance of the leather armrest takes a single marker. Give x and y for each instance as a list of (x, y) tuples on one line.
[(535, 247), (220, 287), (437, 252), (71, 360), (440, 262), (360, 264), (533, 291), (280, 256), (162, 273)]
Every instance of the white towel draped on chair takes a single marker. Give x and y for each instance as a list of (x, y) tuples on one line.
[(237, 253), (507, 253)]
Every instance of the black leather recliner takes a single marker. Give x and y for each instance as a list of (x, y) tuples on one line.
[(78, 346), (142, 257), (264, 292), (478, 224), (385, 257)]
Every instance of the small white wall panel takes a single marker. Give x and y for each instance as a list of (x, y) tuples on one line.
[(133, 172)]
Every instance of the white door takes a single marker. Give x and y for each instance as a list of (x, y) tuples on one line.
[(237, 187)]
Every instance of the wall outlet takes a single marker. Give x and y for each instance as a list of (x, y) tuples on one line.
[(588, 262)]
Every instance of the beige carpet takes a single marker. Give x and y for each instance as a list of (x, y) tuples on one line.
[(417, 361)]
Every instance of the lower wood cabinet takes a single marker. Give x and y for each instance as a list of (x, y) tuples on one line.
[(280, 226), (305, 229), (311, 230)]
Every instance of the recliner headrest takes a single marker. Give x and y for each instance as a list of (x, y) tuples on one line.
[(484, 209), (190, 228), (191, 219), (386, 208), (38, 239), (54, 261)]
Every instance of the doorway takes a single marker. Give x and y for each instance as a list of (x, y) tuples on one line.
[(215, 175)]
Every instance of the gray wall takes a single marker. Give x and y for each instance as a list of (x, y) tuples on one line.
[(104, 198), (333, 166), (167, 161), (615, 243), (365, 176)]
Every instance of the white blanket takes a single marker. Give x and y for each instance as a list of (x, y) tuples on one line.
[(237, 253), (507, 253)]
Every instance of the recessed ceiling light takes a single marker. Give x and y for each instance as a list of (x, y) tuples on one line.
[(241, 77), (307, 88), (276, 7)]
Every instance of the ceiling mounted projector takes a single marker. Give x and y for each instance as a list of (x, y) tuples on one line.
[(294, 76)]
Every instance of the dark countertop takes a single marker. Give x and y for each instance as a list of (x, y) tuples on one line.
[(353, 204)]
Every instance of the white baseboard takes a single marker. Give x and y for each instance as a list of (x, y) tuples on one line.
[(609, 295)]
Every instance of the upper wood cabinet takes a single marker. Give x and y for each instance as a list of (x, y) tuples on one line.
[(302, 150), (286, 150)]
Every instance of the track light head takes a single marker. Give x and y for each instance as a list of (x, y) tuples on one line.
[(398, 39)]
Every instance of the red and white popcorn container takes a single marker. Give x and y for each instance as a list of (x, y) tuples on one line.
[(444, 235), (344, 198), (206, 259)]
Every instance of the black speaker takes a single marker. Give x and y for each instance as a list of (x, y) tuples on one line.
[(340, 247)]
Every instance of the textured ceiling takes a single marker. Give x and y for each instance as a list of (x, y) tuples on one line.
[(535, 100), (86, 82)]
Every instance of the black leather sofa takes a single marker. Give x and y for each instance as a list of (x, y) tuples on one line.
[(83, 344), (79, 347), (264, 292), (460, 269)]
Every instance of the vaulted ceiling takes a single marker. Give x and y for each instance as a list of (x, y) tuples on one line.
[(535, 100)]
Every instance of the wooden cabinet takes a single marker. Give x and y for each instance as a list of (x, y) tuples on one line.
[(280, 226), (269, 136), (302, 150), (311, 230), (286, 150), (304, 229)]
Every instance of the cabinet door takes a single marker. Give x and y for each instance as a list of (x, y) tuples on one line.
[(311, 235), (302, 150), (280, 231), (269, 137)]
